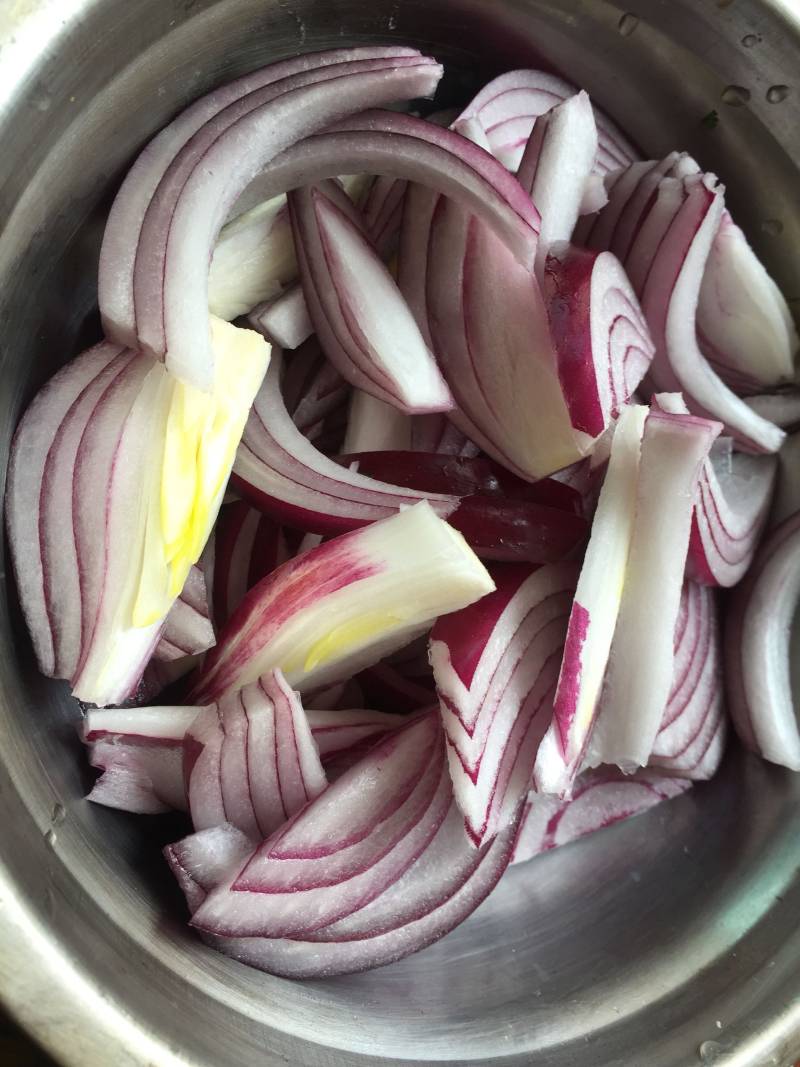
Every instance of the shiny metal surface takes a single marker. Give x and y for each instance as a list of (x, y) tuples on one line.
[(667, 942)]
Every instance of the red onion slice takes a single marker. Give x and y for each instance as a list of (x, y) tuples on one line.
[(346, 604), (284, 320), (691, 739), (201, 860), (435, 433), (594, 612), (639, 675), (502, 517), (248, 547), (284, 475), (601, 798), (325, 865), (508, 107), (496, 665), (730, 513), (757, 636), (781, 408), (490, 333), (555, 168), (744, 323), (188, 629), (340, 733), (362, 321), (140, 753), (40, 470), (663, 226), (118, 253), (251, 760), (602, 344)]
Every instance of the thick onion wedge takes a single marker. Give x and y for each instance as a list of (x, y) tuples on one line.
[(250, 760), (346, 604), (593, 616), (601, 798), (496, 665), (673, 450)]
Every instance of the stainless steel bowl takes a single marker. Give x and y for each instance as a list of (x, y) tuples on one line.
[(666, 942)]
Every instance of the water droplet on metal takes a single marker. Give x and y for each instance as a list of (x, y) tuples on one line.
[(50, 838), (750, 40), (710, 1051), (58, 814), (735, 95), (777, 93), (773, 227), (627, 24)]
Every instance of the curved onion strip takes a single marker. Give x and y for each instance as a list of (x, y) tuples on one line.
[(508, 107), (594, 612), (744, 324), (118, 253), (285, 476), (495, 665), (212, 169), (691, 739), (555, 168), (490, 333), (385, 143), (346, 604), (341, 733), (201, 860), (757, 636), (601, 798), (781, 408), (602, 344), (374, 426), (730, 512), (251, 760), (633, 702), (363, 324)]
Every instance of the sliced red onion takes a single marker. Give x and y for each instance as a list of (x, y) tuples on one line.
[(315, 394), (691, 739), (43, 456), (601, 798), (251, 760), (744, 323), (162, 674), (730, 513), (201, 860), (118, 254), (412, 255), (555, 168), (359, 315), (508, 107), (344, 849), (188, 629), (374, 426), (602, 344), (388, 686), (490, 333), (210, 171), (662, 227), (285, 476), (757, 636), (140, 752), (284, 319), (346, 604), (249, 546), (339, 733), (496, 666), (382, 210), (594, 612), (640, 667), (502, 517)]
